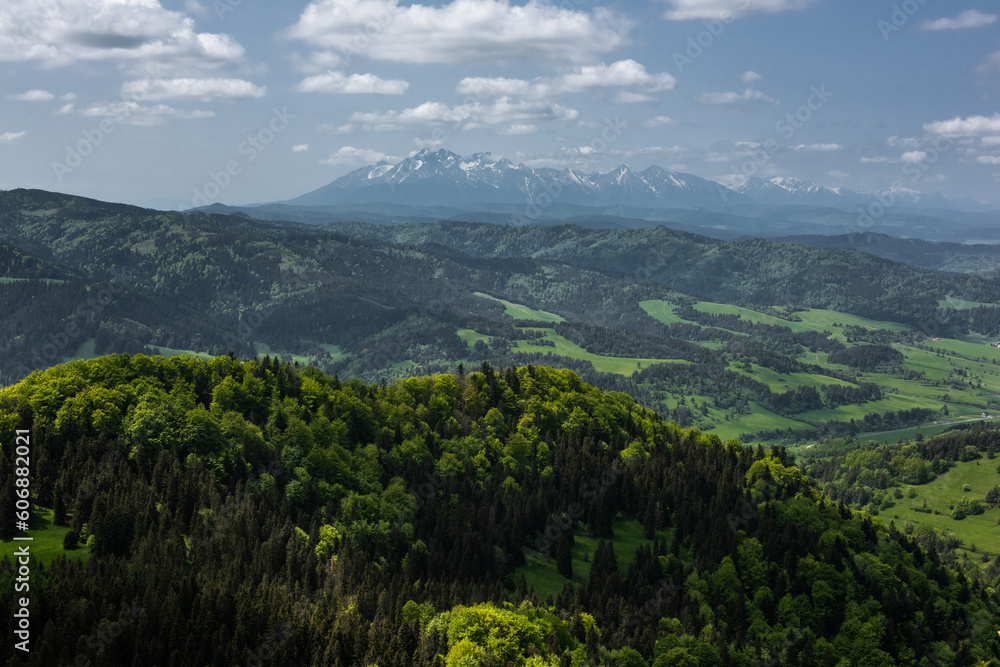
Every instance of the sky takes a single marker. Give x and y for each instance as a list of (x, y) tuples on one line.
[(172, 103)]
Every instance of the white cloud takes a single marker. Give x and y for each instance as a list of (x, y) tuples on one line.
[(750, 77), (658, 121), (349, 155), (459, 32), (355, 84), (749, 95), (684, 10), (32, 96), (130, 112), (624, 73), (878, 159), (901, 142), (621, 74), (519, 129), (988, 159), (991, 63), (836, 173), (195, 7), (66, 109), (11, 137), (483, 87), (155, 90), (913, 156), (64, 32), (818, 148), (503, 111), (300, 148), (629, 97), (973, 126), (967, 19), (991, 141)]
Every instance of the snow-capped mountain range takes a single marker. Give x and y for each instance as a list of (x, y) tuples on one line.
[(443, 178)]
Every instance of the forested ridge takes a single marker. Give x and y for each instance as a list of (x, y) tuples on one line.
[(235, 509)]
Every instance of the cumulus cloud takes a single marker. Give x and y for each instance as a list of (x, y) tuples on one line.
[(973, 126), (300, 148), (519, 129), (750, 77), (11, 137), (503, 111), (483, 87), (684, 10), (988, 159), (349, 155), (32, 96), (878, 159), (749, 95), (913, 156), (130, 112), (968, 19), (202, 89), (58, 34), (630, 97), (624, 73), (901, 142), (355, 84), (621, 74), (818, 148), (991, 63), (658, 121), (460, 31)]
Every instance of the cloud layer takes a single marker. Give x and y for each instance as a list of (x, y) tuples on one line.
[(459, 32)]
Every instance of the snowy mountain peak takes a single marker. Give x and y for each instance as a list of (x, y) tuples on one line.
[(442, 178)]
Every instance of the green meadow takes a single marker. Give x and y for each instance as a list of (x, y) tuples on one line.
[(522, 312), (46, 540), (979, 530), (541, 574)]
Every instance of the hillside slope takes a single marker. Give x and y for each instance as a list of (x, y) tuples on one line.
[(248, 509)]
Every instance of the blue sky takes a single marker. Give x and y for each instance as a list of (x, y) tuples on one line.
[(240, 101)]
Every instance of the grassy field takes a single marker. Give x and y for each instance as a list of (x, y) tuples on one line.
[(827, 320), (602, 364), (759, 419), (927, 430), (263, 349), (749, 315), (334, 351), (47, 541), (962, 304), (544, 578), (87, 350), (980, 530), (661, 310), (972, 350), (521, 312)]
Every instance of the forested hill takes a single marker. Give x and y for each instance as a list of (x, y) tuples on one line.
[(239, 509), (751, 271)]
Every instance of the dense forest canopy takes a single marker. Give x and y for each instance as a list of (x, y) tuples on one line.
[(236, 508)]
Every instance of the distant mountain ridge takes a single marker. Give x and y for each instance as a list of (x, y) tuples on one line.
[(443, 178)]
